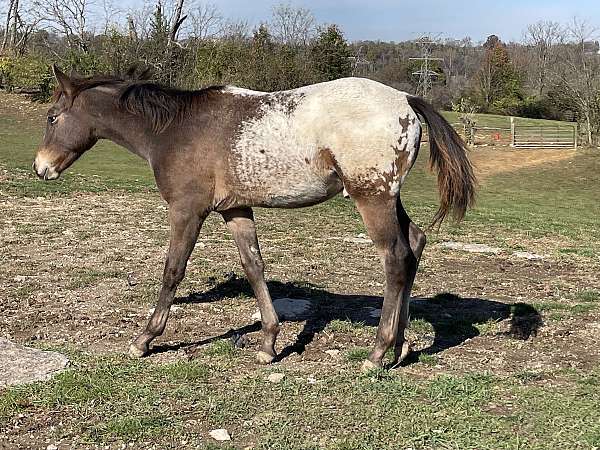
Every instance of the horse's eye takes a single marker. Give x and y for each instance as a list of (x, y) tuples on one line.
[(52, 119)]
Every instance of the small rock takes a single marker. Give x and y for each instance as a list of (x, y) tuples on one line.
[(471, 248), (22, 365), (332, 352), (220, 434), (131, 280), (275, 377), (20, 278), (360, 239), (528, 255), (311, 380), (256, 316), (52, 447)]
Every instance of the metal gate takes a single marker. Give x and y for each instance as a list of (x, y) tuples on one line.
[(543, 136)]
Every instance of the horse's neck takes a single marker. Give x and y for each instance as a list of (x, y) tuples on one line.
[(127, 131)]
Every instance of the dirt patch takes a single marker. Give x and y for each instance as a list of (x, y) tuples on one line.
[(21, 106), (493, 161), (87, 275)]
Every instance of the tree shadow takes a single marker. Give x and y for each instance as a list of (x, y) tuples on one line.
[(454, 319)]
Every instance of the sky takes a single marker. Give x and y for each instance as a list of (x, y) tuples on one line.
[(397, 20)]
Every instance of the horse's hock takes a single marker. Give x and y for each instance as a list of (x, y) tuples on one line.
[(22, 365)]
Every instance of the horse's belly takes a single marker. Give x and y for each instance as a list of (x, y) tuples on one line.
[(281, 186)]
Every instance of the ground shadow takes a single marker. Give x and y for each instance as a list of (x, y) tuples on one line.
[(452, 318)]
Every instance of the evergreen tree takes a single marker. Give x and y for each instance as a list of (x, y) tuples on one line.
[(499, 84), (330, 54)]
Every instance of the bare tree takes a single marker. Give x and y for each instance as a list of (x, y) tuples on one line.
[(577, 76), (544, 38), (20, 24), (10, 18), (292, 26), (207, 21), (176, 22), (109, 13), (68, 18)]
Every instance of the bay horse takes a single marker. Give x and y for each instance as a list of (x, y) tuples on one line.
[(227, 150)]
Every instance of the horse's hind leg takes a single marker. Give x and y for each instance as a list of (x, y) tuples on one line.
[(380, 216), (416, 239), (241, 223)]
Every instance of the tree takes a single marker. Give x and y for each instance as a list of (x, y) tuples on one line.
[(543, 37), (331, 54), (67, 18), (207, 21), (498, 83), (576, 76), (20, 24), (292, 26)]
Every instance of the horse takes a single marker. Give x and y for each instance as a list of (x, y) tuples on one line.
[(226, 149)]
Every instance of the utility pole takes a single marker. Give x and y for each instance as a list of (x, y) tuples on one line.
[(360, 65), (426, 41)]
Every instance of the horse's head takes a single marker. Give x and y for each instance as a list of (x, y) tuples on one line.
[(69, 131)]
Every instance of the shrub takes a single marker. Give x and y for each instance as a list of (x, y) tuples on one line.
[(26, 73)]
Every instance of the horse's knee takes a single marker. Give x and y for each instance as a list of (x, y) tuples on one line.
[(173, 275)]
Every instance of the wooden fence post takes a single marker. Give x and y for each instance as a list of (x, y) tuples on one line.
[(512, 131)]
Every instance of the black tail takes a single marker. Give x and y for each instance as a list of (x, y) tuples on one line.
[(448, 155)]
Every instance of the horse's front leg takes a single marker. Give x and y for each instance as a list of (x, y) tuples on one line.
[(185, 222)]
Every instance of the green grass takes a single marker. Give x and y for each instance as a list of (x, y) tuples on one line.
[(223, 348), (153, 402), (357, 354), (498, 121), (539, 202), (346, 326), (589, 296)]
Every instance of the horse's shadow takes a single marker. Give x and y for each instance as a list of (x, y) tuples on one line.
[(453, 319)]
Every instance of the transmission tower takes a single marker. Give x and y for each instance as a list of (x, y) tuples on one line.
[(426, 76), (360, 65)]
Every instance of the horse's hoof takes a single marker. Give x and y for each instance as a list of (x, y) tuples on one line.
[(264, 358), (369, 365), (136, 352)]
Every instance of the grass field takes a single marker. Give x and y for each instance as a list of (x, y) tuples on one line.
[(474, 381), (497, 121)]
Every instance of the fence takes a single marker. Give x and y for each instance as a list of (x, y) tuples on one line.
[(543, 136), (560, 136)]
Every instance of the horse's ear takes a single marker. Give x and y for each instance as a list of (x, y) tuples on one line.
[(63, 80)]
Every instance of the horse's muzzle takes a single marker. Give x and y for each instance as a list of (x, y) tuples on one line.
[(44, 171)]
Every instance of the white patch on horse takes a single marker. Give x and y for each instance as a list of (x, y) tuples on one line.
[(243, 92), (355, 119)]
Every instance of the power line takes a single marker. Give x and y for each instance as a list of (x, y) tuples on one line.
[(426, 42)]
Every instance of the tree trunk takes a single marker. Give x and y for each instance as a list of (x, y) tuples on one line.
[(177, 21), (15, 18), (9, 16), (588, 123)]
